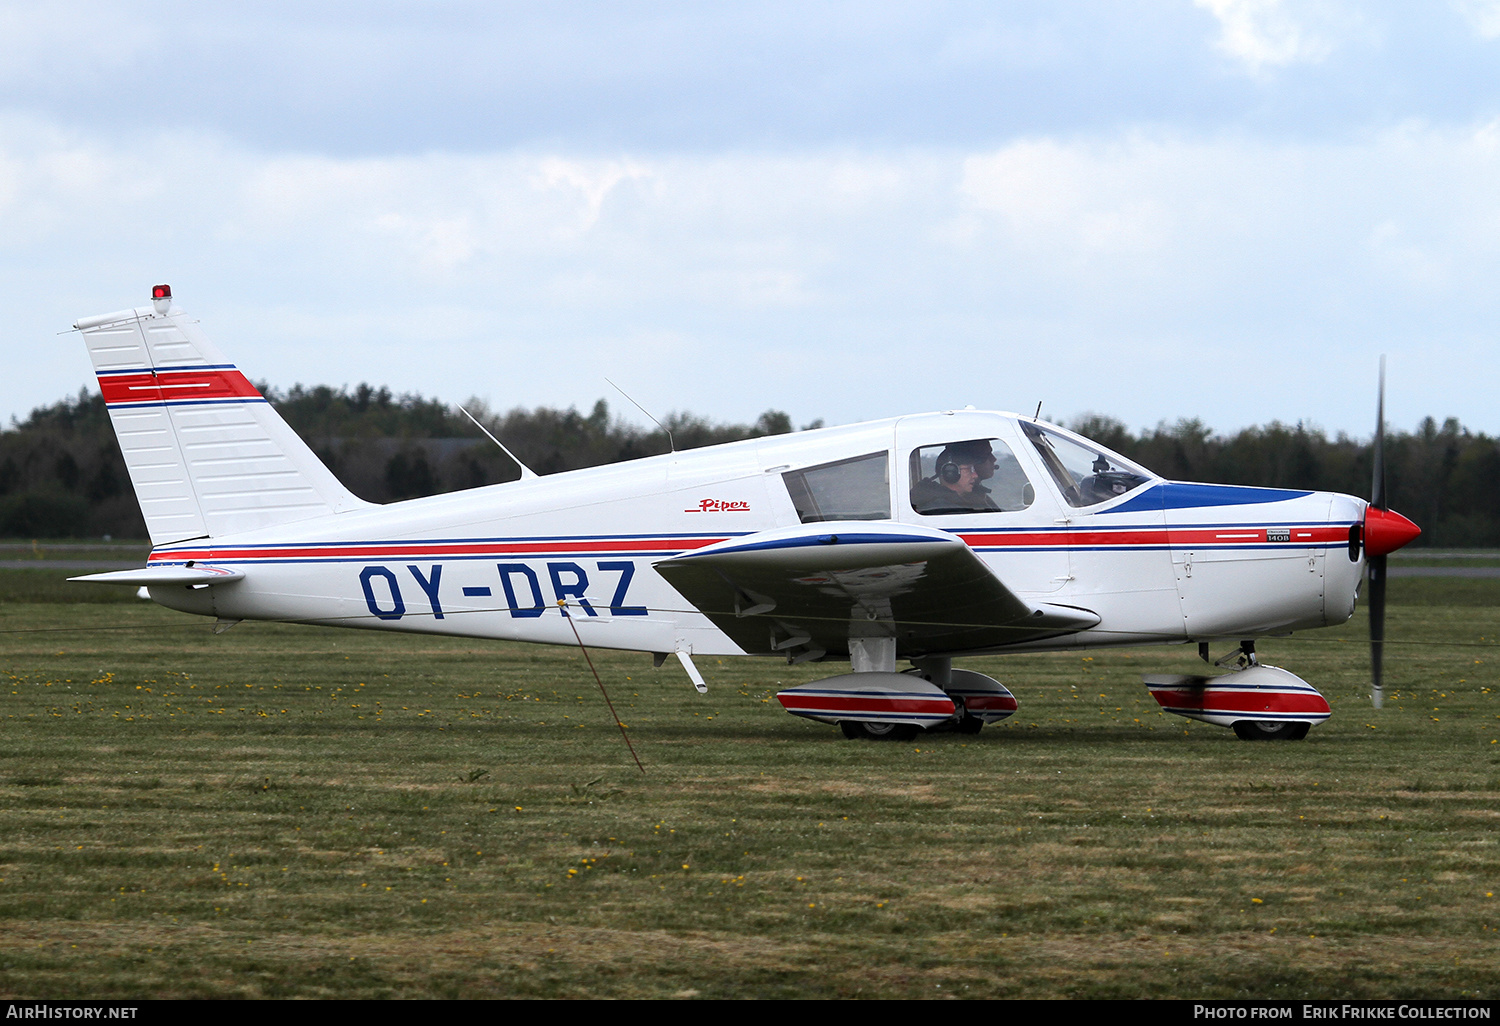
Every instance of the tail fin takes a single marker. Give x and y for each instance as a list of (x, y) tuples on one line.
[(207, 454)]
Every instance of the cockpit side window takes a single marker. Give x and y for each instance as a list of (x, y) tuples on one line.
[(852, 489), (972, 475), (1086, 476)]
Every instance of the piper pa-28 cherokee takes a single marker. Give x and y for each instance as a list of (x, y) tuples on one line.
[(924, 538)]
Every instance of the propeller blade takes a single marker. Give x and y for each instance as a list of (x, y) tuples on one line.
[(1377, 486), (1376, 587), (1388, 531)]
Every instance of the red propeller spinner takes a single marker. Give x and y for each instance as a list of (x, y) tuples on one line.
[(1386, 531)]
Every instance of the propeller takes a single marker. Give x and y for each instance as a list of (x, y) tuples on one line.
[(1375, 565), (1384, 532)]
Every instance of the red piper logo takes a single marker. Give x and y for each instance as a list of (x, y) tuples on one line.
[(720, 506)]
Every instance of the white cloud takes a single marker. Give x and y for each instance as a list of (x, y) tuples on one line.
[(1265, 33), (593, 180), (1149, 275), (1483, 16), (88, 42), (1051, 194)]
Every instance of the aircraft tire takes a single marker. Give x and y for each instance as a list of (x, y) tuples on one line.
[(856, 730), (1264, 730), (970, 724)]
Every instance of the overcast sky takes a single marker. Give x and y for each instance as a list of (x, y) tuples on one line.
[(1221, 209)]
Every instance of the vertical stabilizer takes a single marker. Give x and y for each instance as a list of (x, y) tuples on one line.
[(207, 454)]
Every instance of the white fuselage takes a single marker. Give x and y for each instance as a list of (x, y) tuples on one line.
[(1164, 563)]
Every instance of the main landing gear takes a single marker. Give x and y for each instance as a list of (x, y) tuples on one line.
[(881, 705), (856, 730), (963, 722)]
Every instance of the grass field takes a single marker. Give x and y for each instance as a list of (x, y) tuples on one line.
[(286, 811)]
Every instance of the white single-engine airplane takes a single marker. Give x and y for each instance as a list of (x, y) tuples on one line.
[(924, 538)]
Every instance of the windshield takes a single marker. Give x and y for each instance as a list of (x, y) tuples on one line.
[(1086, 475)]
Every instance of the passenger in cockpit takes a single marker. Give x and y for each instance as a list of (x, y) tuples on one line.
[(957, 486)]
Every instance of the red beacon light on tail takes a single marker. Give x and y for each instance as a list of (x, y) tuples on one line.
[(161, 298)]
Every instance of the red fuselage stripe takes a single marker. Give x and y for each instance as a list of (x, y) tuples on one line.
[(1177, 537), (1302, 536), (426, 550)]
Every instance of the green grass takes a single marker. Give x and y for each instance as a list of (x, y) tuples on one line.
[(73, 548), (1438, 591), (284, 811), (25, 587), (1446, 557)]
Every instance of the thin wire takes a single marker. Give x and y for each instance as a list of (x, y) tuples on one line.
[(563, 605), (670, 443)]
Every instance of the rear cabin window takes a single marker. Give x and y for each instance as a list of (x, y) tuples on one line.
[(852, 489)]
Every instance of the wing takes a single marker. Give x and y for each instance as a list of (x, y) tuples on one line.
[(806, 590)]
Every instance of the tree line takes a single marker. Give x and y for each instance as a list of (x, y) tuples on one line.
[(61, 473), (1444, 477)]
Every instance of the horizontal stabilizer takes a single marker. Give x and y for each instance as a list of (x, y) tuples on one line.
[(161, 576)]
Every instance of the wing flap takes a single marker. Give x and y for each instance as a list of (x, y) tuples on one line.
[(814, 586)]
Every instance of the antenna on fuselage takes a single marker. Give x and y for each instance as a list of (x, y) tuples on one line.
[(525, 470), (670, 443), (1038, 412)]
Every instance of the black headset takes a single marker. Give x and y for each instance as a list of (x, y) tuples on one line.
[(949, 466)]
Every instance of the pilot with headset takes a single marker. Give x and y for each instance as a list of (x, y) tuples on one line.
[(957, 487)]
